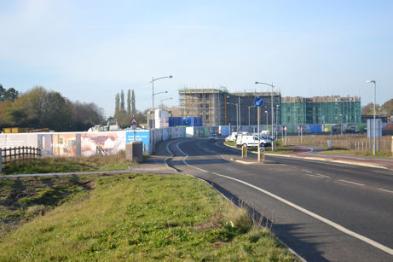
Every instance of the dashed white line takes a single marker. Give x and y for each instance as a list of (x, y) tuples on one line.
[(314, 175), (350, 182)]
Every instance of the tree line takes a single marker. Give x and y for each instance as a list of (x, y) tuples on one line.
[(384, 109), (126, 110), (41, 108)]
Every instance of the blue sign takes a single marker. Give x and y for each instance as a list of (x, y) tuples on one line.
[(139, 135), (258, 101)]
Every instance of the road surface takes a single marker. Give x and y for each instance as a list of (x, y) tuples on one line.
[(322, 211)]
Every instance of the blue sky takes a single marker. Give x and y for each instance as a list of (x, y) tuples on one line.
[(89, 50)]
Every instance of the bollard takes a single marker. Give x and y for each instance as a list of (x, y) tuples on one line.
[(244, 151)]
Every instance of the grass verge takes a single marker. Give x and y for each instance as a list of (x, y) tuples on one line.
[(69, 164), (143, 217)]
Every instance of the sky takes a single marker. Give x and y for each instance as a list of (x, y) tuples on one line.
[(90, 50)]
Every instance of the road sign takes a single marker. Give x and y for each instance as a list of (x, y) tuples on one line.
[(134, 123), (258, 101)]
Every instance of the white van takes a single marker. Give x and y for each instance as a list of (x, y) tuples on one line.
[(253, 141), (232, 137)]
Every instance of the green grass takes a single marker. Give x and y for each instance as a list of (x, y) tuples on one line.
[(143, 218), (56, 164)]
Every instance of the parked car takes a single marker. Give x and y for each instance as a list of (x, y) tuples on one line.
[(212, 137)]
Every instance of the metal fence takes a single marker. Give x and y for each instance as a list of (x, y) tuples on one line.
[(20, 153)]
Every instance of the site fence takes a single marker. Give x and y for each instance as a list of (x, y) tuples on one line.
[(360, 143), (20, 153)]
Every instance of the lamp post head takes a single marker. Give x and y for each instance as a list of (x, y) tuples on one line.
[(371, 81), (256, 82), (171, 76)]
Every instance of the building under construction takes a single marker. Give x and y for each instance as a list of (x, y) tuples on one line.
[(219, 107), (320, 110)]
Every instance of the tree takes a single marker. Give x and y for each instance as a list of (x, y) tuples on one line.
[(9, 94), (39, 108), (122, 108), (86, 115), (129, 102), (388, 107), (133, 107), (117, 104), (369, 109)]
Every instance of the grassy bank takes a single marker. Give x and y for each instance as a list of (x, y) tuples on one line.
[(22, 199), (142, 217), (69, 164)]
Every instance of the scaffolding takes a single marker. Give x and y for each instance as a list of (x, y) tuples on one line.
[(219, 107), (320, 110)]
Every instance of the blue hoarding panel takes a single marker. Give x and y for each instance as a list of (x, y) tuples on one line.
[(139, 135), (185, 121)]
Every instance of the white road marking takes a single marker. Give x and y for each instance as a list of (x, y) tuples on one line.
[(318, 174), (303, 210), (313, 175), (350, 182), (307, 171), (385, 190)]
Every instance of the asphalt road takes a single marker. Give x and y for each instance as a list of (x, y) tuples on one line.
[(323, 211)]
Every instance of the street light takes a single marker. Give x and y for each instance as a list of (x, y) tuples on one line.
[(267, 118), (153, 94), (375, 101), (152, 88), (272, 108), (165, 99)]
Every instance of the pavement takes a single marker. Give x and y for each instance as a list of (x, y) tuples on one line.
[(307, 153), (153, 165), (324, 211)]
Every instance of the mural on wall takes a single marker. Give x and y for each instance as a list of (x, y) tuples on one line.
[(102, 143), (66, 144)]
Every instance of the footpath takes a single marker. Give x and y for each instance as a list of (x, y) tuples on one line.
[(153, 165), (309, 154)]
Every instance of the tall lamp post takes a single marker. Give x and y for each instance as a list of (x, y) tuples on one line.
[(267, 118), (152, 88), (375, 112), (153, 94), (165, 99), (272, 107)]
